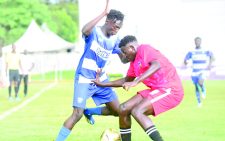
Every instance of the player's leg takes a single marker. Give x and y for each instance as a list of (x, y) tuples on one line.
[(20, 79), (197, 92), (140, 113), (155, 102), (88, 112), (25, 82), (69, 124), (201, 84), (125, 116), (73, 118), (10, 85), (81, 94), (16, 80), (102, 96), (111, 108), (195, 80)]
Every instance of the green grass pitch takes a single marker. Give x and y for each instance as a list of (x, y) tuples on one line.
[(41, 118)]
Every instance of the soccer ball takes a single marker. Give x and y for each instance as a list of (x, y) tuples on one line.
[(110, 135)]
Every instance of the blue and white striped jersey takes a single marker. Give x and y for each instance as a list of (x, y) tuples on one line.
[(200, 60), (97, 50)]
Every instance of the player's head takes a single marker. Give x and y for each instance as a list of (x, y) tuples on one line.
[(114, 22), (13, 48), (129, 46), (198, 41)]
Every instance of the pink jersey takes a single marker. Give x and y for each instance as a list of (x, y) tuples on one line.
[(165, 77)]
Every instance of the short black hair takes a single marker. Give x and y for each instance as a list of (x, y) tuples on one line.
[(127, 39), (196, 38), (115, 14)]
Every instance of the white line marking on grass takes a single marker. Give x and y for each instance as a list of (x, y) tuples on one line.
[(9, 112)]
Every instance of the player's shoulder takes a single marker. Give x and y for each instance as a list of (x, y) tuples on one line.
[(145, 46), (146, 49), (203, 51)]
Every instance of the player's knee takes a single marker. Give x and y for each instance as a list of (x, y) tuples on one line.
[(123, 110), (77, 114), (200, 84), (135, 112), (196, 87), (115, 112)]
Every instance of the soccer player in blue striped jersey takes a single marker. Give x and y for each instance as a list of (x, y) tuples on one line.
[(201, 64), (100, 42)]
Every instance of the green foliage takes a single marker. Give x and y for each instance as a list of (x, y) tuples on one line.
[(67, 27), (65, 15), (16, 15)]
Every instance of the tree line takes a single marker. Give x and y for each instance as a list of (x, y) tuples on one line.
[(61, 16)]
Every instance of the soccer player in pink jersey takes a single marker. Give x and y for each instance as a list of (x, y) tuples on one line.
[(165, 91)]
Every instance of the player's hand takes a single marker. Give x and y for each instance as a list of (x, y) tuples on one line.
[(97, 80), (98, 72), (106, 11), (128, 85)]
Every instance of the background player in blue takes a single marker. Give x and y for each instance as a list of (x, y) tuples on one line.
[(201, 64), (100, 42)]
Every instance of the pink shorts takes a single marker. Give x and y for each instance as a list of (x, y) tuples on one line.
[(162, 99)]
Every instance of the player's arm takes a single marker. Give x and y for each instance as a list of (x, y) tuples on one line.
[(86, 30), (187, 57), (211, 60), (32, 66), (115, 83), (185, 62), (154, 66)]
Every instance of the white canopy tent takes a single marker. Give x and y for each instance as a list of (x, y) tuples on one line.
[(57, 43), (47, 50)]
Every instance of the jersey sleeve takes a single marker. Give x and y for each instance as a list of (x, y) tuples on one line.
[(188, 56), (210, 54), (116, 49), (90, 36)]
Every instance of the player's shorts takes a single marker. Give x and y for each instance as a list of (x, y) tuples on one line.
[(100, 95), (162, 99), (200, 76), (14, 75)]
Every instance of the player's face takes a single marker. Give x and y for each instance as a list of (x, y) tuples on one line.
[(13, 48), (198, 42), (114, 27), (129, 52)]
